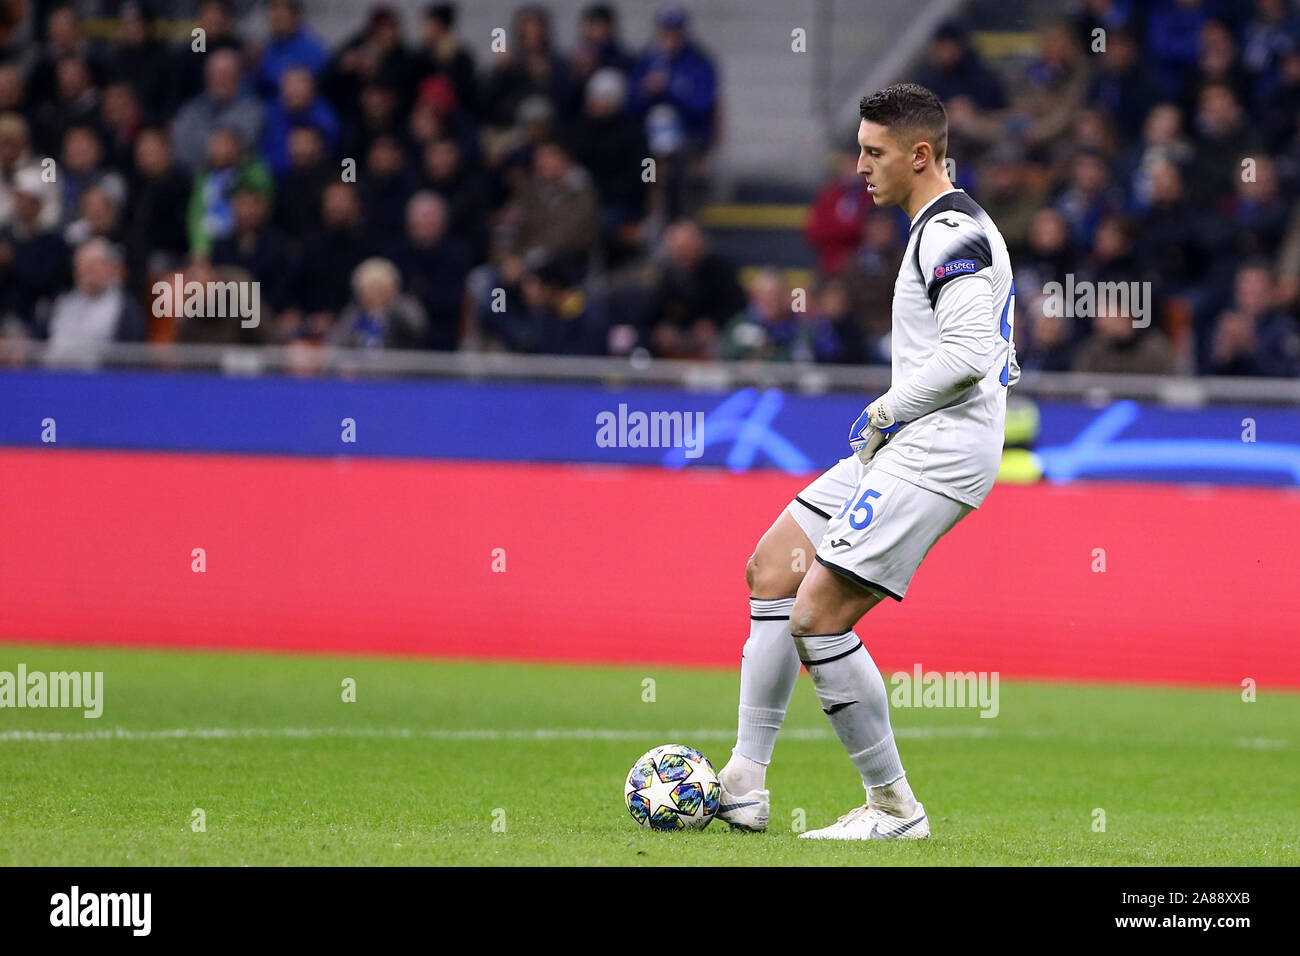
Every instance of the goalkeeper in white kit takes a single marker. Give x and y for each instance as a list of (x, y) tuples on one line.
[(923, 456)]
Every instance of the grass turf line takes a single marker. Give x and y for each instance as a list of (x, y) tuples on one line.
[(1185, 777)]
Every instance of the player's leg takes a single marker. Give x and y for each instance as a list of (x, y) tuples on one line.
[(871, 549), (848, 683), (769, 665)]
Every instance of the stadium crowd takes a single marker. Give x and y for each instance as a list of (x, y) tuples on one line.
[(442, 195)]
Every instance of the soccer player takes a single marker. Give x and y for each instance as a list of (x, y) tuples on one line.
[(924, 455)]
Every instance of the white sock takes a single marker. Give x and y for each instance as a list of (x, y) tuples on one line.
[(769, 668), (853, 696), (742, 775), (894, 797)]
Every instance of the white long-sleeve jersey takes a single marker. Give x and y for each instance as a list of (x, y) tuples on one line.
[(953, 352)]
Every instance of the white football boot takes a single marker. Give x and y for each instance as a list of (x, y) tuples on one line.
[(749, 811), (871, 823)]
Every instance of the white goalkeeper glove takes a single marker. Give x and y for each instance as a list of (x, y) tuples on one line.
[(872, 429)]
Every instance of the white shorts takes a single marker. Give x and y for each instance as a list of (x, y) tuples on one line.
[(872, 527)]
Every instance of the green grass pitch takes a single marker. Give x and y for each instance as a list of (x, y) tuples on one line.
[(432, 754)]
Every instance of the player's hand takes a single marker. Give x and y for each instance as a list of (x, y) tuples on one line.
[(872, 429)]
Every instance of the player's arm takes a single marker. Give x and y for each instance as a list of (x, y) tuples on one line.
[(956, 264)]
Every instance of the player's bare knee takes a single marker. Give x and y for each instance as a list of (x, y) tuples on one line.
[(803, 619), (768, 579)]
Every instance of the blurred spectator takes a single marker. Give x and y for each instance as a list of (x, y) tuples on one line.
[(530, 67), (837, 215), (870, 277), (255, 246), (1277, 115), (1217, 62), (435, 265), (1222, 138), (298, 194), (190, 67), (121, 122), (1088, 196), (1112, 16), (75, 103), (1259, 211), (598, 47), (674, 86), (1116, 346), (82, 167), (1173, 39), (211, 215), (1252, 336), (64, 42), (441, 53), (765, 328), (1049, 255), (223, 325), (1044, 343), (15, 157), (159, 194), (953, 68), (373, 59), (386, 185), (33, 257), (1162, 142), (1012, 192), (1057, 87), (99, 218), (290, 45), (1123, 85), (1269, 37), (379, 316), (465, 190), (832, 332), (96, 312), (549, 315), (222, 104), (1170, 247), (556, 212), (695, 294), (12, 94), (136, 59), (611, 145), (378, 114), (321, 282), (677, 72), (297, 105)]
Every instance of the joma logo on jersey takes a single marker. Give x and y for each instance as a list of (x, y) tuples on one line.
[(957, 265)]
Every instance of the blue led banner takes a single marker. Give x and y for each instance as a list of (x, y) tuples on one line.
[(743, 429)]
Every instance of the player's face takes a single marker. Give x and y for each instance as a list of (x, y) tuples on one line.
[(883, 164)]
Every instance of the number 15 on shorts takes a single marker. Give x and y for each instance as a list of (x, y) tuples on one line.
[(859, 512)]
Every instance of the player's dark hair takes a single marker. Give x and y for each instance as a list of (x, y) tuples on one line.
[(909, 109)]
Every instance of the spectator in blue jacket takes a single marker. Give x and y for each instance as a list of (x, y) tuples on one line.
[(677, 72), (290, 45), (298, 105)]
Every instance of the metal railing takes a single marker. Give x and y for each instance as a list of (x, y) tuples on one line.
[(234, 360)]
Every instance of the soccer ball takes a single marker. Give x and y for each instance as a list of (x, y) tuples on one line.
[(672, 788)]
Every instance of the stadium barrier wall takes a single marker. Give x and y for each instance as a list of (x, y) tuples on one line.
[(395, 547)]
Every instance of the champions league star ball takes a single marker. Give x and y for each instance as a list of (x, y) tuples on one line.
[(672, 788)]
